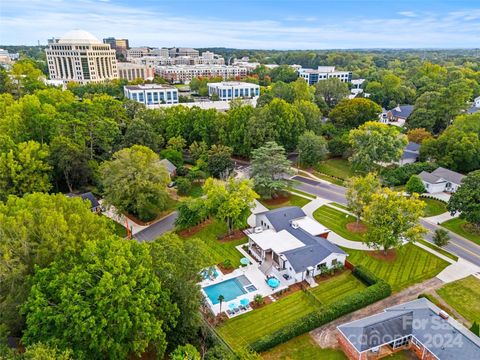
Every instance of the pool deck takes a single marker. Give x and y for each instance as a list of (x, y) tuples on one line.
[(253, 274)]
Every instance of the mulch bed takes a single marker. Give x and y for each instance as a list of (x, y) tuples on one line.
[(355, 227), (291, 289), (266, 301), (195, 229), (380, 255), (225, 270), (236, 235), (280, 199), (323, 277)]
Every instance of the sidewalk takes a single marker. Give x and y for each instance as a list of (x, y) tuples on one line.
[(438, 219)]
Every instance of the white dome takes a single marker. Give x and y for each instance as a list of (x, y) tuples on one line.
[(78, 37)]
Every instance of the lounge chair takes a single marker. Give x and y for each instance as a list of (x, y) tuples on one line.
[(242, 308), (236, 310), (230, 312)]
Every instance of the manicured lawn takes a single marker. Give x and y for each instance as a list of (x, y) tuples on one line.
[(457, 226), (301, 348), (247, 328), (293, 200), (439, 249), (302, 192), (219, 250), (339, 168), (464, 296), (336, 220), (412, 265), (328, 178), (339, 206), (433, 207)]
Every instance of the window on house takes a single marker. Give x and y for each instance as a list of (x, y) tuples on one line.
[(334, 262)]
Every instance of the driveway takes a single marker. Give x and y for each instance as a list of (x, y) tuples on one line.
[(157, 229)]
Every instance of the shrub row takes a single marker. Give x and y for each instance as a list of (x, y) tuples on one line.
[(365, 275), (400, 175), (379, 290)]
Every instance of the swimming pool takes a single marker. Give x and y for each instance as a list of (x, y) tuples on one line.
[(229, 289)]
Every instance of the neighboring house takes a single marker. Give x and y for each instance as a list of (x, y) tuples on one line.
[(418, 327), (172, 169), (401, 112), (95, 205), (476, 106), (441, 180), (291, 245), (410, 153)]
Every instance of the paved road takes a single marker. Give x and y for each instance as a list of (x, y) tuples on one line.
[(458, 246), (159, 228)]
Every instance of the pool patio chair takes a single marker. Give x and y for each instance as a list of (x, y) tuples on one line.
[(230, 312)]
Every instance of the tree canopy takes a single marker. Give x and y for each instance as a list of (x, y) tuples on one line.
[(466, 199)]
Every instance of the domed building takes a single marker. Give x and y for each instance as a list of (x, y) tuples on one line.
[(79, 56)]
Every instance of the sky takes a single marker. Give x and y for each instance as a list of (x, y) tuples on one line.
[(249, 24)]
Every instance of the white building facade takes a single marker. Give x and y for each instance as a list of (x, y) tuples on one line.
[(151, 95), (131, 71), (229, 90), (185, 73), (313, 76), (80, 57)]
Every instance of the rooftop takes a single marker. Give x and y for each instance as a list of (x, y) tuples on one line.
[(78, 37), (402, 111), (148, 87)]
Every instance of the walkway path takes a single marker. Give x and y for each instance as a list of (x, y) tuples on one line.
[(438, 219)]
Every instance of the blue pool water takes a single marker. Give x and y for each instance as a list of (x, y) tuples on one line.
[(230, 289)]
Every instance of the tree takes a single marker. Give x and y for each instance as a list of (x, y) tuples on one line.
[(41, 351), (466, 199), (177, 143), (415, 185), (311, 148), (418, 135), (352, 113), (24, 169), (219, 161), (184, 185), (191, 212), (441, 237), (331, 91), (198, 150), (135, 181), (185, 352), (392, 219), (220, 301), (139, 132), (312, 115), (34, 230), (174, 156), (104, 301), (360, 190), (373, 143), (284, 73), (269, 169)]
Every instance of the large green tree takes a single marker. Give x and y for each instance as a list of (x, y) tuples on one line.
[(135, 181), (219, 161), (352, 113), (331, 91), (103, 302), (360, 190), (311, 148), (466, 199)]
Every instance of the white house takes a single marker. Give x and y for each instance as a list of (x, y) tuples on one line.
[(291, 245), (229, 90), (441, 180), (476, 106), (152, 95)]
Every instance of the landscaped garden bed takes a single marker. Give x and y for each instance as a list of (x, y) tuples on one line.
[(283, 200)]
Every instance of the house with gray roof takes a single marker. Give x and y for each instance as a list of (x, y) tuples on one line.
[(172, 169), (475, 107), (441, 180), (399, 113), (292, 245), (417, 326)]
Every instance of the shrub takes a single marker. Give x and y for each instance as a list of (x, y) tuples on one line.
[(258, 299), (415, 185), (441, 237), (400, 175), (475, 328), (227, 264), (184, 185)]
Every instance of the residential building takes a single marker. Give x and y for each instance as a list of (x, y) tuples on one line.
[(131, 71), (400, 113), (88, 196), (152, 95), (119, 45), (163, 52), (291, 245), (229, 90), (185, 73), (250, 66), (475, 107), (79, 56), (172, 169), (313, 76), (6, 57), (418, 327), (411, 152), (137, 52), (174, 52), (441, 180)]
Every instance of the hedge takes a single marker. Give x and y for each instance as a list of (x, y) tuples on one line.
[(400, 175), (379, 290)]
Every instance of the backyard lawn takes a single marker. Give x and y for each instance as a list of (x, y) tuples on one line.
[(457, 225), (336, 220), (301, 348), (220, 251), (433, 207), (339, 168), (292, 200), (439, 249), (249, 327), (411, 265), (464, 296)]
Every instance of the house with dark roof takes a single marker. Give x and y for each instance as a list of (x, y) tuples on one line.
[(292, 245), (400, 113), (411, 152), (441, 180), (172, 169), (95, 205), (418, 326)]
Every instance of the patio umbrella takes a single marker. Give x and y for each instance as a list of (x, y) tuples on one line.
[(244, 301), (244, 261), (273, 283), (232, 305)]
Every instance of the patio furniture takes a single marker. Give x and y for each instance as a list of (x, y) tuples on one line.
[(230, 312), (244, 302), (273, 282), (244, 261)]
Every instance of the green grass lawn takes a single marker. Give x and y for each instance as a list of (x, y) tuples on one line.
[(439, 249), (457, 226), (249, 327), (328, 178), (302, 347), (302, 192), (219, 250), (412, 265), (336, 220), (464, 296), (339, 168), (339, 206), (433, 207), (293, 200)]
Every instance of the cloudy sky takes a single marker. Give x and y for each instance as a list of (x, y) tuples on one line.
[(254, 24)]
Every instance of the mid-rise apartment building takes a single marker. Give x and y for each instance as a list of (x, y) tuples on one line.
[(313, 76), (174, 52), (152, 95), (131, 71), (185, 73), (79, 56), (229, 90), (119, 45), (137, 52)]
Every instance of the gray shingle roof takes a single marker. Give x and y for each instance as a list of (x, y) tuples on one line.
[(448, 175), (168, 164), (412, 146), (280, 218), (429, 178), (473, 110), (405, 111)]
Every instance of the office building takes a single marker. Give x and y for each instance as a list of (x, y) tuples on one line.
[(174, 52), (152, 95), (130, 71), (313, 76), (79, 56), (229, 90), (185, 73), (138, 52)]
